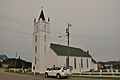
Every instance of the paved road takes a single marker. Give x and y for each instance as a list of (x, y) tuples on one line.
[(14, 76)]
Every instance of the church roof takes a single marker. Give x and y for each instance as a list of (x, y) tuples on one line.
[(62, 50), (42, 15), (94, 61)]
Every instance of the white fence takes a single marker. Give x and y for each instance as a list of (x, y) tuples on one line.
[(17, 70), (113, 74)]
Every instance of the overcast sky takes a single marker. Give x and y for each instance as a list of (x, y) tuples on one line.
[(95, 26)]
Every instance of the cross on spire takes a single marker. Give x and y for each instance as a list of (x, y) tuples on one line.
[(42, 8)]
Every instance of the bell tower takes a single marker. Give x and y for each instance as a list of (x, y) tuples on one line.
[(41, 42)]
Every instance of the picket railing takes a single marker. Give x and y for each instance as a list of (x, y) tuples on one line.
[(100, 73), (17, 70)]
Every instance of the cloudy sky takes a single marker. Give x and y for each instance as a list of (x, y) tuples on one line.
[(95, 26)]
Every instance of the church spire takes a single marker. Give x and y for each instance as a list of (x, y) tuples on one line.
[(42, 15)]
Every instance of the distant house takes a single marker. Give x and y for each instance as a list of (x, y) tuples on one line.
[(109, 65), (100, 65), (47, 54), (3, 57)]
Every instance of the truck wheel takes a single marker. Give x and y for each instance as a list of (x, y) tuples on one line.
[(58, 76), (46, 75)]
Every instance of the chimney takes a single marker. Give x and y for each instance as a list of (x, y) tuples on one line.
[(88, 51)]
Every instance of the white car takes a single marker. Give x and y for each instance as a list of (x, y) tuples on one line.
[(58, 72)]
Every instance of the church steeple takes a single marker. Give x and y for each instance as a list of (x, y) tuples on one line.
[(42, 15)]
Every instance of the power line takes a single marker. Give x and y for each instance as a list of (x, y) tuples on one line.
[(62, 39), (78, 38), (95, 38), (14, 31), (75, 37), (15, 21), (86, 37), (29, 25), (24, 20)]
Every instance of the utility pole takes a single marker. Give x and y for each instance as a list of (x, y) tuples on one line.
[(16, 55), (16, 60), (68, 36)]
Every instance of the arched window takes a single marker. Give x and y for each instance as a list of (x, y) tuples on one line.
[(35, 60), (37, 27), (74, 63), (45, 38), (45, 48), (87, 63), (44, 26), (35, 38), (35, 49), (81, 63)]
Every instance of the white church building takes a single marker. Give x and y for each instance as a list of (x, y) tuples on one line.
[(47, 54)]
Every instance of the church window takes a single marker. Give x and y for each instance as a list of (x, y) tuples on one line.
[(35, 38), (35, 49), (45, 38), (81, 63), (35, 60), (74, 63), (45, 48), (44, 26), (37, 27), (87, 62), (67, 61)]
